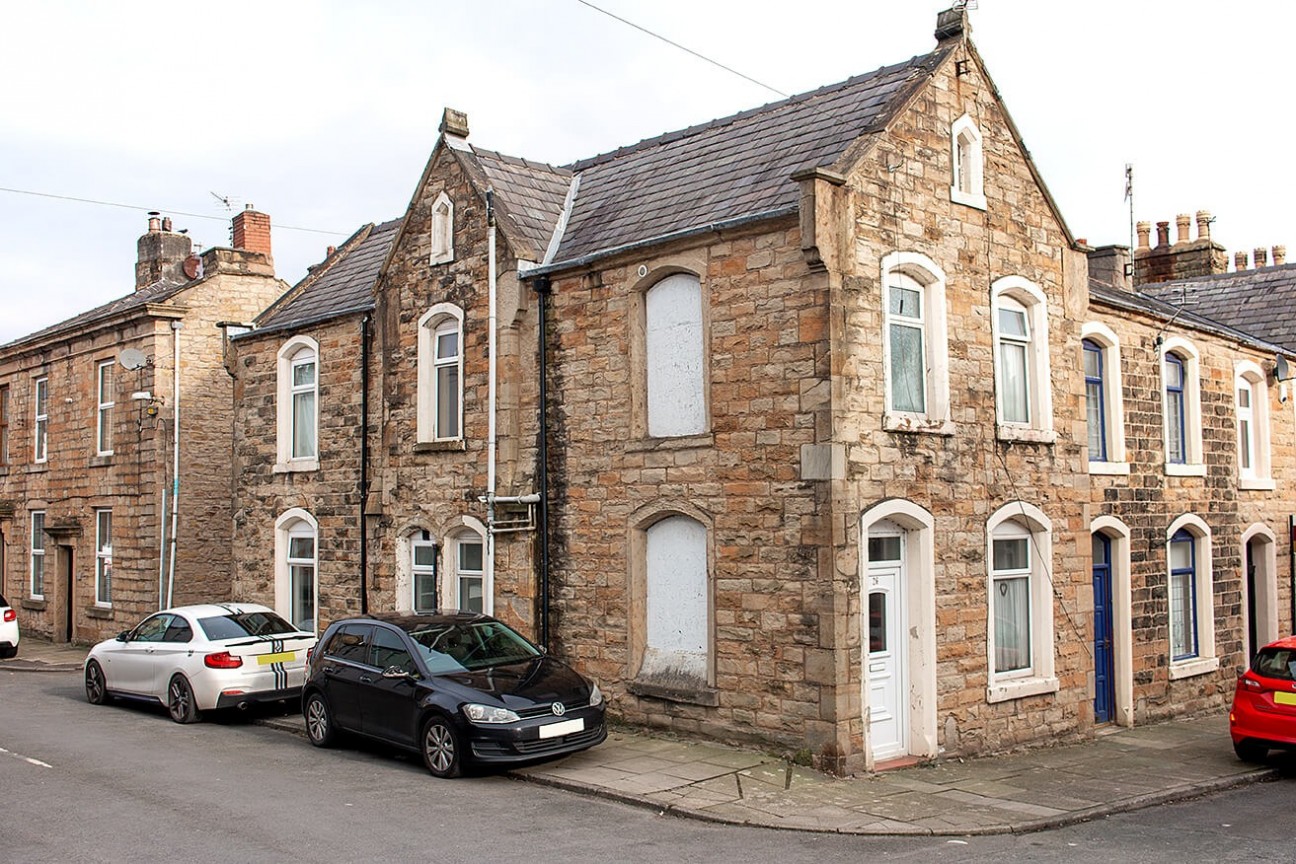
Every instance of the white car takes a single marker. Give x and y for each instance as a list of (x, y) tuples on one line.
[(200, 658), (8, 630)]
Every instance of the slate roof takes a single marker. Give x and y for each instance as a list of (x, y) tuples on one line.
[(1259, 302), (731, 168), (158, 292), (342, 286), (530, 195), (1161, 307)]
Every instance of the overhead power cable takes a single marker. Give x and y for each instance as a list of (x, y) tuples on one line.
[(159, 209)]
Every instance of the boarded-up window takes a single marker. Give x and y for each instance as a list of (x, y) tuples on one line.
[(675, 355), (677, 616)]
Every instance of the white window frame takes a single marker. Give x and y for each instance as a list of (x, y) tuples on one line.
[(968, 186), (1015, 519), (472, 531), (103, 423), (103, 558), (442, 239), (40, 429), (1205, 660), (293, 352), (441, 318), (675, 358), (294, 523), (1194, 464), (922, 270), (423, 540), (1015, 291), (37, 555), (5, 408), (1248, 374), (1113, 398)]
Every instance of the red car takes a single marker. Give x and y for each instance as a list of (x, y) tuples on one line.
[(1264, 705)]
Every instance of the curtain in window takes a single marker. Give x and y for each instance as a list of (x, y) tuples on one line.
[(908, 359), (303, 402), (1093, 372), (1012, 623), (1175, 447), (301, 581), (1012, 364)]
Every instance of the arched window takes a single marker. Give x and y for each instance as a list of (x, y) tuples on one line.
[(1103, 400), (675, 357), (914, 340), (296, 574), (677, 613), (1254, 471), (442, 230), (469, 582), (1020, 325), (1190, 578), (1020, 556), (440, 374), (968, 163), (1181, 407), (298, 405)]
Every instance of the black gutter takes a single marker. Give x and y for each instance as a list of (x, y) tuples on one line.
[(364, 462), (542, 287)]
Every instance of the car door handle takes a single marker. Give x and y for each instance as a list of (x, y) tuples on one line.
[(366, 679), (330, 670)]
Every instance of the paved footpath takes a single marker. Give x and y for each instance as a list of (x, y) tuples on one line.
[(1122, 769)]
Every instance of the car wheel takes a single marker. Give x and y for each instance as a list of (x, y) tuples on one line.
[(1249, 750), (96, 686), (180, 701), (441, 748), (319, 721), (9, 652)]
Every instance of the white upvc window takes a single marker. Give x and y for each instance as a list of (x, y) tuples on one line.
[(675, 357), (4, 424), (1024, 397), (103, 558), (298, 408), (1020, 653), (968, 163), (37, 584), (296, 569), (1104, 399), (440, 374), (1254, 467), (442, 230), (1181, 407), (470, 575), (104, 430), (423, 574), (40, 429), (1190, 595), (915, 350)]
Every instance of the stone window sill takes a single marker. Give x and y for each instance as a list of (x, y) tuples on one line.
[(458, 445), (968, 199), (699, 695), (1258, 484), (1020, 688), (900, 421), (1177, 469), (35, 604), (102, 612), (100, 460), (296, 465), (684, 442), (1027, 434), (1121, 469), (38, 468), (1193, 667)]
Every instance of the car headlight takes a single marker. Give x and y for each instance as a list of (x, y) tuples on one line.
[(596, 695), (489, 714)]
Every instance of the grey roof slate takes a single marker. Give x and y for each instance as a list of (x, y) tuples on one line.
[(1260, 302), (530, 195), (343, 286), (1151, 304), (730, 168), (158, 292)]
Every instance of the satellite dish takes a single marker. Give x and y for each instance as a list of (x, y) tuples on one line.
[(1282, 371), (192, 267), (132, 358)]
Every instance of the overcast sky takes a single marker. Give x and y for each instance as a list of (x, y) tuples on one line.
[(322, 114)]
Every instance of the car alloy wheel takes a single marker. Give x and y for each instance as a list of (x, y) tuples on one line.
[(95, 686), (1250, 751), (180, 701), (319, 723), (441, 748)]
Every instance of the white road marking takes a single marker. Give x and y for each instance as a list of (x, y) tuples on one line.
[(27, 759)]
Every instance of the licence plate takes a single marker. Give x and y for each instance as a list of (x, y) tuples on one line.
[(1285, 698), (566, 727), (281, 657)]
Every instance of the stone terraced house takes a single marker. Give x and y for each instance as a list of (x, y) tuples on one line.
[(812, 426), (97, 528)]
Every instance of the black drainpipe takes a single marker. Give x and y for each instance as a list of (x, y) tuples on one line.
[(1291, 559), (543, 287), (364, 462)]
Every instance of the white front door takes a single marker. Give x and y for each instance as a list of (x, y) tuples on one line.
[(884, 627)]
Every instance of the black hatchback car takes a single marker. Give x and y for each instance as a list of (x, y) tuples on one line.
[(456, 687)]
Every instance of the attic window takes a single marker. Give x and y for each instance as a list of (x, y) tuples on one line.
[(442, 230), (966, 156)]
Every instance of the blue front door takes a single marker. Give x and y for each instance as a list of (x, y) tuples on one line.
[(1104, 664)]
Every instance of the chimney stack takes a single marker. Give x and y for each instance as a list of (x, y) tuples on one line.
[(160, 254), (1239, 261), (1280, 255), (1183, 259), (251, 232), (1110, 266)]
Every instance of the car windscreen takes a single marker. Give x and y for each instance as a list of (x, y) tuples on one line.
[(3, 602), (240, 624), (457, 647), (1275, 663)]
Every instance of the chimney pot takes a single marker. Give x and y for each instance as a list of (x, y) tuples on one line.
[(166, 224), (155, 224), (329, 253), (1182, 222), (1261, 257), (1163, 234), (1279, 255), (1239, 261), (454, 123), (1203, 224), (952, 24), (1144, 231)]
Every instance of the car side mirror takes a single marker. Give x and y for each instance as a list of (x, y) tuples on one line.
[(123, 636), (397, 672)]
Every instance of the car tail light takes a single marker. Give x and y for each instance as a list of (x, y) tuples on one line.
[(222, 660), (309, 652), (10, 615), (1252, 684)]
